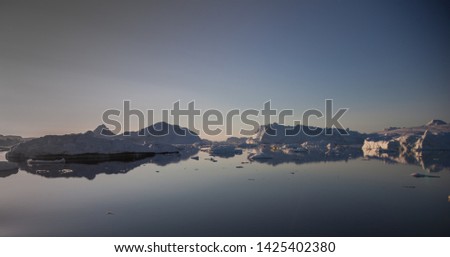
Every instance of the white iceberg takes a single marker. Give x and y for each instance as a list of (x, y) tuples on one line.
[(380, 146), (83, 145), (433, 136), (436, 123), (281, 134), (224, 150), (293, 149), (433, 141)]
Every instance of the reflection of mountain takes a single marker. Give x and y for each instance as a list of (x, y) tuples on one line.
[(90, 171), (276, 157), (433, 161)]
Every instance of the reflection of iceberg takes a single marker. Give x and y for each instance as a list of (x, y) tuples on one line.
[(7, 173), (293, 149), (8, 169), (275, 155), (45, 162), (165, 159), (432, 161), (90, 171), (6, 166), (78, 170)]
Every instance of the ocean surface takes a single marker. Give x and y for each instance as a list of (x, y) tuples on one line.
[(178, 196)]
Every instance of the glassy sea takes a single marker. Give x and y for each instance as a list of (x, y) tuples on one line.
[(175, 195)]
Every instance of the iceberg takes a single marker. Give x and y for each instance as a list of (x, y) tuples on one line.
[(241, 142), (259, 156), (164, 133), (381, 145), (281, 134), (436, 122), (101, 144), (224, 150), (293, 149), (433, 141), (76, 147), (434, 136)]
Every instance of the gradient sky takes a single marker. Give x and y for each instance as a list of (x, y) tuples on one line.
[(62, 63)]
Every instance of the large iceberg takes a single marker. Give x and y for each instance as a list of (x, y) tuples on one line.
[(281, 134), (381, 145), (102, 144), (432, 141), (435, 135), (224, 150), (76, 147)]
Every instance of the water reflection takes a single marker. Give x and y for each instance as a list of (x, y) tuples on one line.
[(74, 170), (276, 156), (432, 161), (7, 173), (165, 159), (90, 171)]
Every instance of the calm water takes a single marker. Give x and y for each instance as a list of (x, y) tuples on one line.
[(179, 196)]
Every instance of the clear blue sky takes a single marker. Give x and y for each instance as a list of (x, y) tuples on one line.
[(63, 63)]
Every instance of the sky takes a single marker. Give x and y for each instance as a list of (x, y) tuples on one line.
[(63, 63)]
